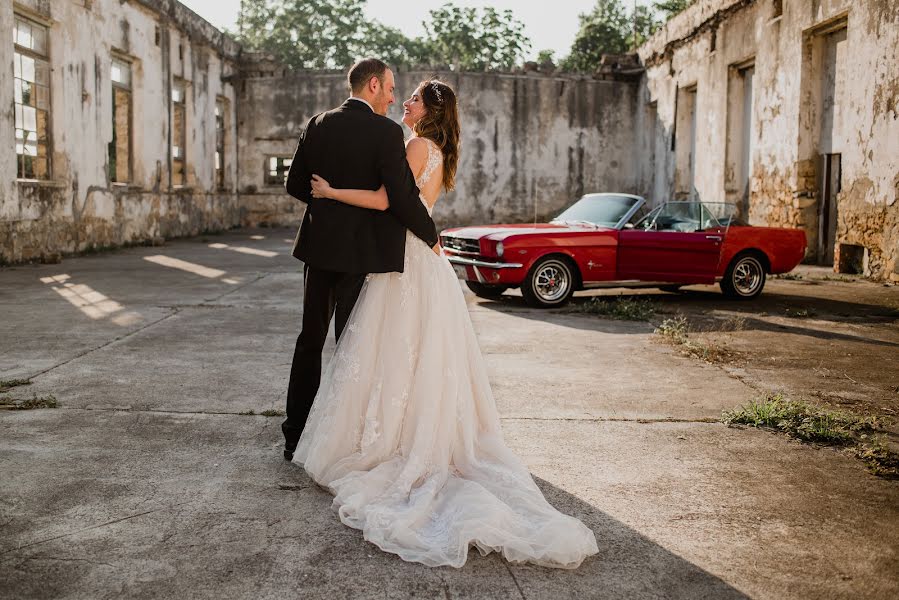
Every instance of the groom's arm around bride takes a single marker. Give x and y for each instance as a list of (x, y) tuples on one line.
[(354, 146)]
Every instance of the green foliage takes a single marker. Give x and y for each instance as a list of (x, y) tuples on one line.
[(672, 7), (393, 47), (608, 29), (470, 39), (675, 332), (622, 309), (8, 384), (800, 420), (303, 33), (316, 34), (546, 56), (810, 423), (29, 404)]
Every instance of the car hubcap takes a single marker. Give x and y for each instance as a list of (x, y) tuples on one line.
[(747, 276), (551, 282)]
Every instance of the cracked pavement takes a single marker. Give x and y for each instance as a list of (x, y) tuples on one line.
[(147, 482)]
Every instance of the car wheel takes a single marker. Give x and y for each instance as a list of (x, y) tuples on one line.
[(744, 278), (482, 290), (674, 289), (549, 283)]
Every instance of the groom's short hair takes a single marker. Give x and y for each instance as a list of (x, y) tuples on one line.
[(362, 72)]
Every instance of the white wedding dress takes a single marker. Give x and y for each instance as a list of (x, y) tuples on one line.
[(405, 433)]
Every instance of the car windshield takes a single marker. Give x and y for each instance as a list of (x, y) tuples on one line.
[(688, 217), (603, 210)]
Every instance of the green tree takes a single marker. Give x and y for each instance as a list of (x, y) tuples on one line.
[(303, 33), (393, 46), (333, 33), (471, 39), (644, 23), (604, 30), (609, 29), (546, 56), (672, 7)]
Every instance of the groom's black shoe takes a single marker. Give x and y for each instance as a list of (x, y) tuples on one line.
[(291, 439)]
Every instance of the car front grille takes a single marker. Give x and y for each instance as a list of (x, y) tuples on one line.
[(458, 244)]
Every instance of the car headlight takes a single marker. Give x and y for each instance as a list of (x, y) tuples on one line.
[(499, 248)]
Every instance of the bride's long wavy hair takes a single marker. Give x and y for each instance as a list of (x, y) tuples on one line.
[(440, 124)]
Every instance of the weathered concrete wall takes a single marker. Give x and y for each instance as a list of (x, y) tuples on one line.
[(78, 208), (531, 143), (710, 44)]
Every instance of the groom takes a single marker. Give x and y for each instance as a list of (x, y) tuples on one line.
[(352, 146)]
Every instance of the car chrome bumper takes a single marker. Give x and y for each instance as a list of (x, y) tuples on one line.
[(471, 262)]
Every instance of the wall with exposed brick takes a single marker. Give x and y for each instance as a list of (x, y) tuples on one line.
[(77, 207), (794, 105)]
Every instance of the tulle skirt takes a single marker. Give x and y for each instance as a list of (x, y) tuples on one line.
[(405, 433)]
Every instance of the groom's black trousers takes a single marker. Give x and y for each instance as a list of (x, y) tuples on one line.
[(326, 294)]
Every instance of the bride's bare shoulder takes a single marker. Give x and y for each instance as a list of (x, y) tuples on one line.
[(416, 144), (416, 152)]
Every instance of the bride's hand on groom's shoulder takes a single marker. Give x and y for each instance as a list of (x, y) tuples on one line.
[(320, 187)]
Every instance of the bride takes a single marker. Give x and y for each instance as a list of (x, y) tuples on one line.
[(404, 430)]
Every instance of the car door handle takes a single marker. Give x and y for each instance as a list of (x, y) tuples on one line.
[(717, 238)]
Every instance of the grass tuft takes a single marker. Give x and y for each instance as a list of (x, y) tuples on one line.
[(879, 459), (802, 421), (809, 423), (266, 413), (800, 313), (30, 404), (8, 384), (622, 309), (674, 331)]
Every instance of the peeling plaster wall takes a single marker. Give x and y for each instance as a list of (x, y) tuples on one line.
[(78, 208), (785, 165), (531, 143)]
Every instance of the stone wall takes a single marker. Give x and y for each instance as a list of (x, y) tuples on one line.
[(805, 103), (77, 207), (531, 143)]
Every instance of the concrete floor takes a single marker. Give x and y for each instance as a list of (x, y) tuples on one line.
[(146, 482)]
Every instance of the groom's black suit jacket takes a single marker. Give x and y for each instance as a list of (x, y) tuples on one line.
[(354, 148)]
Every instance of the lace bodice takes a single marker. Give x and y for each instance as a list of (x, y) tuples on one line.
[(435, 160)]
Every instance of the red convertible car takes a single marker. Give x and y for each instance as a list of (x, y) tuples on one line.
[(612, 240)]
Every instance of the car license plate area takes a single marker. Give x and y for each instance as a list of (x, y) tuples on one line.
[(461, 271)]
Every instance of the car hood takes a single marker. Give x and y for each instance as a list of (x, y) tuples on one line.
[(501, 232)]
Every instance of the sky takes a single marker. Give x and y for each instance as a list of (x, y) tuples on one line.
[(548, 28)]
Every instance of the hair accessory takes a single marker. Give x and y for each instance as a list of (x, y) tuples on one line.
[(437, 92)]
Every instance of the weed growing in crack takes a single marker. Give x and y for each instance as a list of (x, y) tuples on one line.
[(800, 313), (30, 404), (674, 331), (814, 424), (788, 276), (622, 309), (733, 323), (8, 384), (879, 459), (266, 413)]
